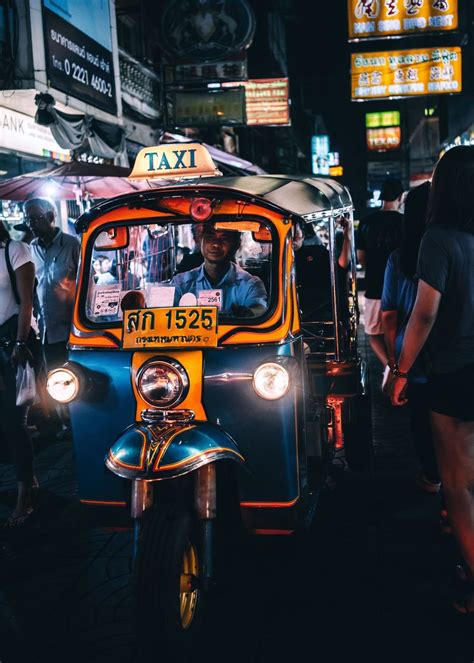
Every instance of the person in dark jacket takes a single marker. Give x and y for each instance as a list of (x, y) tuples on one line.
[(377, 236)]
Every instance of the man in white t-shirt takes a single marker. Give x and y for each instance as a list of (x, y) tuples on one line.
[(19, 255), (16, 289)]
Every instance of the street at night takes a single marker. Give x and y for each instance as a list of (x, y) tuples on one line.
[(236, 331)]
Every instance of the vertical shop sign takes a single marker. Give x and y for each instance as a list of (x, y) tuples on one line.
[(320, 154)]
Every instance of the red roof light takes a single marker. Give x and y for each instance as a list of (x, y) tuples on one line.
[(200, 209)]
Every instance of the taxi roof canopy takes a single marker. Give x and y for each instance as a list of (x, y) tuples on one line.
[(311, 198)]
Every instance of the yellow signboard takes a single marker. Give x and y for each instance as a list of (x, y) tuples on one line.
[(178, 327), (406, 73), (382, 18), (174, 160)]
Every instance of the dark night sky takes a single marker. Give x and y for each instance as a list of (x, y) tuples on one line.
[(319, 57)]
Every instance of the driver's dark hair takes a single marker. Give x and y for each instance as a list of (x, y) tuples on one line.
[(452, 188), (236, 235)]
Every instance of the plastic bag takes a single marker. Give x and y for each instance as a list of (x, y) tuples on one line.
[(25, 385)]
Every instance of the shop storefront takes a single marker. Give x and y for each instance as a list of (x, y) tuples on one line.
[(24, 147)]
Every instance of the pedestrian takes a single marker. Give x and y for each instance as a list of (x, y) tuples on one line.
[(378, 235), (443, 321), (17, 344), (398, 298), (56, 258)]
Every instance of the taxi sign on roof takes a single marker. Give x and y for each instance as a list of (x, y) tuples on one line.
[(174, 160)]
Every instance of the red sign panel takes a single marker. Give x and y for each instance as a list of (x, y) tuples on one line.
[(266, 101), (385, 138)]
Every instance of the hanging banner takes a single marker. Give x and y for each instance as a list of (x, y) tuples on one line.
[(382, 18), (406, 73)]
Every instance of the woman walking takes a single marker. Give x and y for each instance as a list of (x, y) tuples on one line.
[(443, 319), (398, 299), (17, 274)]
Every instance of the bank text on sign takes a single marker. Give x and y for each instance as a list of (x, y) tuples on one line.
[(406, 73), (376, 18)]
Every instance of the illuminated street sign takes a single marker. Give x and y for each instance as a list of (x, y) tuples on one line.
[(384, 138), (383, 18), (320, 155), (266, 101), (382, 119), (407, 73)]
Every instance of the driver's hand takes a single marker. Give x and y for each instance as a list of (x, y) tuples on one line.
[(241, 311)]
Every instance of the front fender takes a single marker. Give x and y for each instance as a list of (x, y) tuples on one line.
[(155, 452)]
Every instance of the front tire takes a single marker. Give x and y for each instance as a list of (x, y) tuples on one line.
[(170, 602)]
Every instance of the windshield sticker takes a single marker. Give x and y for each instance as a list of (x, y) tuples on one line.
[(106, 301), (210, 298), (157, 296), (188, 299)]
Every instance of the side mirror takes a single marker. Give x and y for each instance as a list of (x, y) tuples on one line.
[(112, 239)]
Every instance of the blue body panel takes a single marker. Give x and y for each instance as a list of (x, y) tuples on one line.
[(265, 432), (98, 421)]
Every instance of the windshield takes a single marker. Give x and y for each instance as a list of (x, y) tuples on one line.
[(227, 264)]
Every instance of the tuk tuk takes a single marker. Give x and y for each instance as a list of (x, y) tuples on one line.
[(198, 393)]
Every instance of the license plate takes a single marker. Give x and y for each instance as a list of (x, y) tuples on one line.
[(178, 327)]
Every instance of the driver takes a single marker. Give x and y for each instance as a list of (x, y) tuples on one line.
[(241, 294)]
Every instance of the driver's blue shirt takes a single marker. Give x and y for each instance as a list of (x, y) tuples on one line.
[(238, 287)]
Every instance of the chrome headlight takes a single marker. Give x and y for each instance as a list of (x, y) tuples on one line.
[(271, 381), (63, 385), (162, 383)]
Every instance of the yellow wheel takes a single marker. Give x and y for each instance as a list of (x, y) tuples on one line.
[(169, 602), (188, 590)]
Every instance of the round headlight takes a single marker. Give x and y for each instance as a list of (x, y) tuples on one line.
[(62, 385), (162, 384), (271, 381)]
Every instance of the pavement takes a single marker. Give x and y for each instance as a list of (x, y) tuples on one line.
[(370, 583)]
